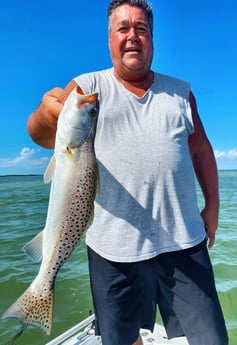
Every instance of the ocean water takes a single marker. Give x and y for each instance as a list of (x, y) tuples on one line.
[(23, 209)]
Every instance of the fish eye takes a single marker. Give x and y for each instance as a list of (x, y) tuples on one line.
[(93, 112)]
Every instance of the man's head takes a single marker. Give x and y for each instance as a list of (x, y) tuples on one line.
[(138, 3), (131, 38)]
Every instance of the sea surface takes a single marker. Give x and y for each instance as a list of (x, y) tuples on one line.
[(23, 209)]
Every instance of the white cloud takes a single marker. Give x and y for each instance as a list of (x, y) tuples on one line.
[(231, 154), (28, 160), (226, 159), (31, 160)]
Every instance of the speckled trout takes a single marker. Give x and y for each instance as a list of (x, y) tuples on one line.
[(74, 182)]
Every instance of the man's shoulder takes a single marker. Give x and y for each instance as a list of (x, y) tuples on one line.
[(170, 78), (171, 85), (95, 81), (98, 73)]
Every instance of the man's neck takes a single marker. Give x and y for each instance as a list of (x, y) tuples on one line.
[(138, 86)]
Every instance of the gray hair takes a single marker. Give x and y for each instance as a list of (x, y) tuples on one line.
[(136, 3)]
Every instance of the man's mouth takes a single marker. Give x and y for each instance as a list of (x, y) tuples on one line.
[(133, 50)]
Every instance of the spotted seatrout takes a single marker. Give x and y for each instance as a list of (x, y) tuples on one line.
[(74, 175)]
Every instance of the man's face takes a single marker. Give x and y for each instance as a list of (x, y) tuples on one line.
[(130, 40)]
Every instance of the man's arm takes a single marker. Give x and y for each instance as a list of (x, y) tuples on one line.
[(42, 123), (205, 168)]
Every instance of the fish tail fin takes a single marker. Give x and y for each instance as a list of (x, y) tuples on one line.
[(33, 308)]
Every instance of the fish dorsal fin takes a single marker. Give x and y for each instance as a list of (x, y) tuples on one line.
[(49, 172), (33, 249)]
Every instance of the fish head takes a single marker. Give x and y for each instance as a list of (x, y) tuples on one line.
[(77, 120)]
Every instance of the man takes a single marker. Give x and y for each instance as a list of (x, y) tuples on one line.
[(147, 244)]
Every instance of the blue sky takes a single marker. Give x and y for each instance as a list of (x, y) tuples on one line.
[(46, 43)]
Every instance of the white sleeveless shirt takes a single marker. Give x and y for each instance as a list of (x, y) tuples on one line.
[(147, 203)]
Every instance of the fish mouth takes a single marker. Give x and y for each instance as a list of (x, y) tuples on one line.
[(88, 99), (85, 98)]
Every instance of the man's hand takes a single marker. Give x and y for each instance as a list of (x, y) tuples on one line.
[(51, 106), (210, 219), (42, 123)]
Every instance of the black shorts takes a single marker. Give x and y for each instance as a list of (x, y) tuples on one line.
[(181, 283)]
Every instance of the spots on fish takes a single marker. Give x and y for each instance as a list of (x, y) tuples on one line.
[(78, 218), (33, 308)]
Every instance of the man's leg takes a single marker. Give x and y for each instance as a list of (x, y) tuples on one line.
[(139, 341), (124, 297), (188, 286)]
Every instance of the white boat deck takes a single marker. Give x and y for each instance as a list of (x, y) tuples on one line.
[(83, 334)]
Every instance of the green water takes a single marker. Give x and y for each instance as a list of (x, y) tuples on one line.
[(23, 208)]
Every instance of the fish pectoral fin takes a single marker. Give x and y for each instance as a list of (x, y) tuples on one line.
[(49, 172), (33, 308), (33, 249)]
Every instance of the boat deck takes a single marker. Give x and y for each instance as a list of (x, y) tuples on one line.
[(83, 334)]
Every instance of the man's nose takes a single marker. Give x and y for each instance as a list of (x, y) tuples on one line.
[(132, 35)]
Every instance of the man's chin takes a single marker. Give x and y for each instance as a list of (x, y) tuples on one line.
[(134, 65)]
